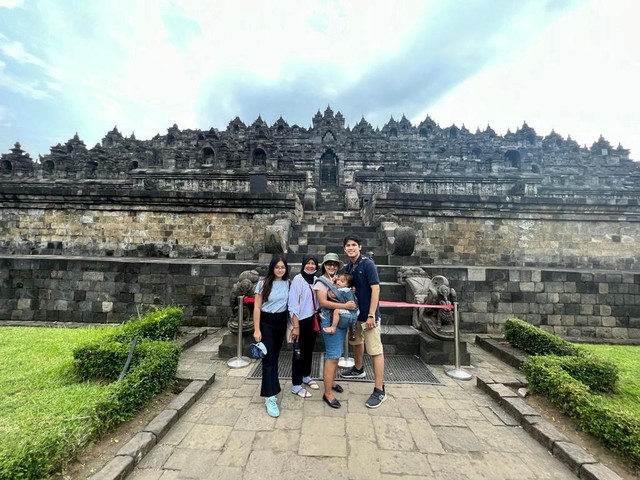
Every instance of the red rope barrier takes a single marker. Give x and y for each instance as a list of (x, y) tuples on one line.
[(388, 304), (414, 305)]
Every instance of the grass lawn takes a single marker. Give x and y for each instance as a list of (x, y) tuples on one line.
[(44, 412), (627, 358)]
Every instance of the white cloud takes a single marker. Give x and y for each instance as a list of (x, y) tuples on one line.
[(156, 79), (579, 78), (27, 88), (16, 51), (10, 3), (145, 65)]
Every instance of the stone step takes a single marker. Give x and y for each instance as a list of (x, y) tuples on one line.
[(381, 260), (336, 230), (338, 213), (339, 234), (333, 240), (336, 248), (298, 251), (396, 316), (328, 238), (320, 224), (329, 205), (388, 273)]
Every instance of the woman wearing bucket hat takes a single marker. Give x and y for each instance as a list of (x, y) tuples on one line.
[(302, 307), (333, 342)]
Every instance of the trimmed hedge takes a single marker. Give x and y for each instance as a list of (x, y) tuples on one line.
[(153, 367), (160, 324), (617, 428), (104, 360), (598, 373), (153, 371), (535, 341)]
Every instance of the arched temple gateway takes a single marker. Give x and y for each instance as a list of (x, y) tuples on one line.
[(521, 224)]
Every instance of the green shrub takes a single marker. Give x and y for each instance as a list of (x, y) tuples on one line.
[(31, 457), (153, 364), (599, 374), (32, 450), (160, 324), (617, 428), (533, 340), (154, 372), (104, 360), (100, 360)]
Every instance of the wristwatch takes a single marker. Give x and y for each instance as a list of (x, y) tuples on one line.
[(371, 315)]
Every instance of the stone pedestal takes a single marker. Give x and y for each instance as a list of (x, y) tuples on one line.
[(229, 346), (441, 352)]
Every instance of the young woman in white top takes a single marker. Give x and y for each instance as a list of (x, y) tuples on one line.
[(270, 318)]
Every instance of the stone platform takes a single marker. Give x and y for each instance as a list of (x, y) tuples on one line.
[(219, 429)]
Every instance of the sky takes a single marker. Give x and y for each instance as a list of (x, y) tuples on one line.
[(80, 66)]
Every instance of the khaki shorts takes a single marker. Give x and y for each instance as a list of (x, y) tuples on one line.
[(371, 337)]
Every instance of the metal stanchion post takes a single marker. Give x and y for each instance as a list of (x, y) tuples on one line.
[(239, 361), (457, 372), (346, 361)]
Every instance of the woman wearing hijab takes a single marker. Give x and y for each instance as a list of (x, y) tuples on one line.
[(302, 305)]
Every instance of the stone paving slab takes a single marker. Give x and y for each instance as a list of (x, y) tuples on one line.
[(454, 431)]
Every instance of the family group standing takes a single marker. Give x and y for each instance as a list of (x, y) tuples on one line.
[(281, 305)]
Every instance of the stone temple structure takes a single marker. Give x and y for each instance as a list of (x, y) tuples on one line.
[(400, 157), (521, 224)]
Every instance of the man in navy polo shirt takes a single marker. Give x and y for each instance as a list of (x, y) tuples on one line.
[(367, 282)]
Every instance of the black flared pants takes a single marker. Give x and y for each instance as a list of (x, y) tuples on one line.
[(273, 327)]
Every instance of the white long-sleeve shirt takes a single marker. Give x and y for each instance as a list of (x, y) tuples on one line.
[(301, 298)]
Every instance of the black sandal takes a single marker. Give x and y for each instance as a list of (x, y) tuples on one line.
[(332, 403)]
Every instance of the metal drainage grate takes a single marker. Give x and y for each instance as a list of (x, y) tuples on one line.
[(284, 366), (397, 369)]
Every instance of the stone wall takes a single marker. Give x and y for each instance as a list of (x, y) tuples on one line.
[(516, 231), (602, 304), (100, 222), (110, 290), (106, 290)]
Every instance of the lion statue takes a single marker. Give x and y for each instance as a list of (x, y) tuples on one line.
[(420, 288)]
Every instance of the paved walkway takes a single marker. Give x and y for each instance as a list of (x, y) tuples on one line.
[(453, 431)]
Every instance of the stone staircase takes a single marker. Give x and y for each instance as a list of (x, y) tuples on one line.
[(330, 199), (323, 231)]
